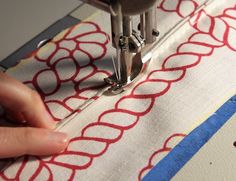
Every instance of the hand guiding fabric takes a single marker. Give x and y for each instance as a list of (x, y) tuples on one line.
[(25, 105)]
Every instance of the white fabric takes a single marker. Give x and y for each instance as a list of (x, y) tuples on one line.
[(121, 137), (216, 159)]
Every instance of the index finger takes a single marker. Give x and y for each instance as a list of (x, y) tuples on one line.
[(17, 97)]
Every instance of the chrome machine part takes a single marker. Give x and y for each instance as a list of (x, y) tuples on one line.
[(129, 7), (133, 50)]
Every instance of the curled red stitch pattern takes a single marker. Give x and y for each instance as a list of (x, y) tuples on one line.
[(175, 65), (166, 148)]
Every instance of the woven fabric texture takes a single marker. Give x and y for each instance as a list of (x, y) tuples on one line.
[(122, 137)]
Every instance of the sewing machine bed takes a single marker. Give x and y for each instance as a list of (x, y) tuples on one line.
[(191, 75)]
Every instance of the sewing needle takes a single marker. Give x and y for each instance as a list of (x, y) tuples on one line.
[(115, 69)]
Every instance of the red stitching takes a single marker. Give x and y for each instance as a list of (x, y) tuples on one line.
[(53, 69), (165, 148), (177, 9), (135, 115)]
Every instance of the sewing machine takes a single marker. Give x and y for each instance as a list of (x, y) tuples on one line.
[(133, 48)]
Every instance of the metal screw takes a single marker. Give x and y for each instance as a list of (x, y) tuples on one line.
[(139, 27), (122, 41), (43, 42), (155, 32)]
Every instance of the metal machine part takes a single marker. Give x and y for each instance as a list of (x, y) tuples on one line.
[(133, 48), (129, 7)]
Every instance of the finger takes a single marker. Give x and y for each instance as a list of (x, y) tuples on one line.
[(36, 114), (30, 141), (19, 98), (16, 117)]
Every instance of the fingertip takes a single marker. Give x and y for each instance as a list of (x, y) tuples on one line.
[(59, 138), (31, 141), (40, 118), (50, 123), (51, 142)]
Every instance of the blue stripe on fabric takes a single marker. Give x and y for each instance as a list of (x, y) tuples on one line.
[(189, 146)]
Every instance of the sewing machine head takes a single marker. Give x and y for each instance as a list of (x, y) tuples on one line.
[(133, 47)]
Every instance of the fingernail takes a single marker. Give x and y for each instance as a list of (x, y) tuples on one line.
[(59, 138)]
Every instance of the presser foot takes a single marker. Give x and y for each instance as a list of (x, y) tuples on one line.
[(139, 65), (115, 86)]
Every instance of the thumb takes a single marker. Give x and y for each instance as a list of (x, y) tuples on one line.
[(31, 141)]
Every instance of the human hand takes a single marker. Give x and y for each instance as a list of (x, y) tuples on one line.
[(25, 106)]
